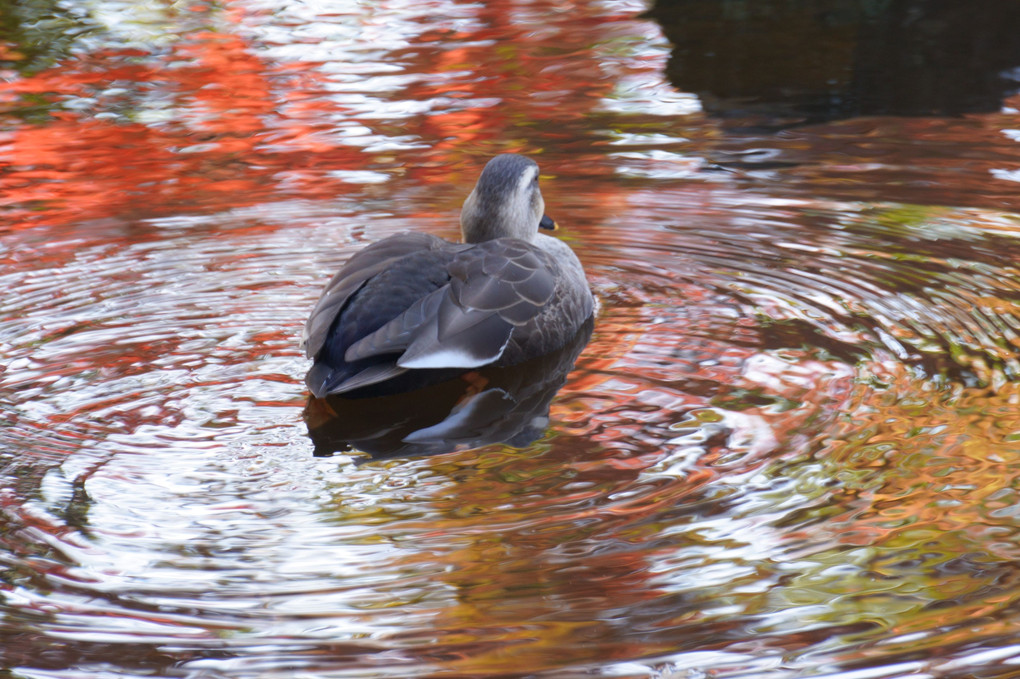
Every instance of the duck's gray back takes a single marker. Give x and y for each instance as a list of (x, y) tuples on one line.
[(568, 306), (360, 268), (414, 302)]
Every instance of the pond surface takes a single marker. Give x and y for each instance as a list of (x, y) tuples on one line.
[(790, 449)]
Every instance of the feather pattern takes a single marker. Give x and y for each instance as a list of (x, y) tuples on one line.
[(413, 308)]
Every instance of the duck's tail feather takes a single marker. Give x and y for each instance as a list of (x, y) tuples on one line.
[(325, 380)]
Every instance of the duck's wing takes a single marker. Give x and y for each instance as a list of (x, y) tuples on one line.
[(362, 266), (495, 286)]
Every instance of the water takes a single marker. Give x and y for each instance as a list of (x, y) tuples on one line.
[(788, 450)]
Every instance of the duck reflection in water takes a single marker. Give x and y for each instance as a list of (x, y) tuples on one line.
[(414, 310), (494, 404)]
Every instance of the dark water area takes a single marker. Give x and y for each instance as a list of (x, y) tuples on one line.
[(798, 62), (788, 449)]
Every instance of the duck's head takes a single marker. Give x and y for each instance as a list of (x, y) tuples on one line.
[(505, 203)]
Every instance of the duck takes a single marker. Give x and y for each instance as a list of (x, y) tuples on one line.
[(414, 309)]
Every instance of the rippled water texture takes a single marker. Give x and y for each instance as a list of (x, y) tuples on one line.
[(790, 448)]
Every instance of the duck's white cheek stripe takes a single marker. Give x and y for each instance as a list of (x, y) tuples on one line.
[(525, 181)]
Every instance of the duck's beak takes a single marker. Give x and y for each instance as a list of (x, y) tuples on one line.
[(547, 223)]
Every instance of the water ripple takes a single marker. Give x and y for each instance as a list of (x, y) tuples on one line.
[(788, 450)]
